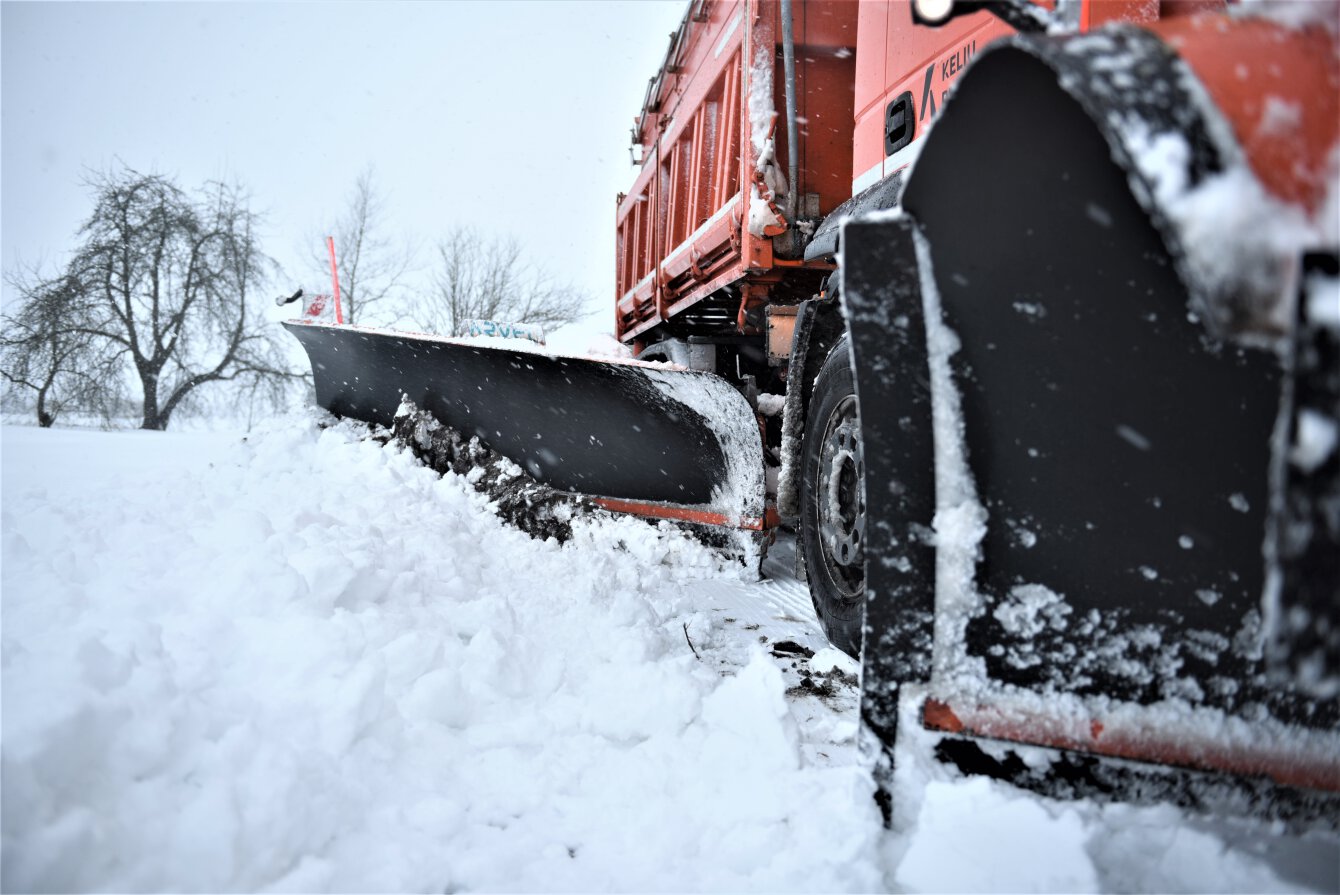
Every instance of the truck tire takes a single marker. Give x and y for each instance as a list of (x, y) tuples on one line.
[(832, 508)]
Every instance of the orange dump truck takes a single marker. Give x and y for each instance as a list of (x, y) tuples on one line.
[(1026, 318)]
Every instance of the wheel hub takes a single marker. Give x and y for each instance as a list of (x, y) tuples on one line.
[(841, 496)]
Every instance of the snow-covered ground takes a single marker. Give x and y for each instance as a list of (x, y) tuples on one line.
[(299, 661)]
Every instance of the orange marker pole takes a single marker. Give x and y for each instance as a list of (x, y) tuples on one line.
[(335, 279)]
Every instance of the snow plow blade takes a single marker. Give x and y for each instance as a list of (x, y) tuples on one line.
[(663, 443), (1120, 436)]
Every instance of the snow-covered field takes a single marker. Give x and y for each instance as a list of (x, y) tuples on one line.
[(299, 661)]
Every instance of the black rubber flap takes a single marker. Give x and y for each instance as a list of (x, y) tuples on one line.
[(881, 295)]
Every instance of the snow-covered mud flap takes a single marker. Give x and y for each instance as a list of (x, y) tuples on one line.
[(1074, 387), (673, 444)]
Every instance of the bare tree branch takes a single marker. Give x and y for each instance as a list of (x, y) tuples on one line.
[(372, 267), (492, 279), (52, 356)]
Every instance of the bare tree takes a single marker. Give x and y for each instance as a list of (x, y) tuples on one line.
[(166, 284), (49, 355), (371, 266), (492, 279)]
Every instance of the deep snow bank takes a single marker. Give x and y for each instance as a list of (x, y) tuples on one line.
[(312, 664), (303, 662)]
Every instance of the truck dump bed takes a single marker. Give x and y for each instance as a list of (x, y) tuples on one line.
[(699, 221)]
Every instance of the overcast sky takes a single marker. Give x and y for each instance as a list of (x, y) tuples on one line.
[(512, 116)]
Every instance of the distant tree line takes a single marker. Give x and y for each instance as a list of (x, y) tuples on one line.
[(471, 276), (159, 304)]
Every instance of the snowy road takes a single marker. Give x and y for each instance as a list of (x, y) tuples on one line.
[(301, 662)]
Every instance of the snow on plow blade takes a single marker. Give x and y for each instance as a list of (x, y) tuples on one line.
[(1098, 577), (673, 444)]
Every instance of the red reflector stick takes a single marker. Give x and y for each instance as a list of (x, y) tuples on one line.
[(335, 279)]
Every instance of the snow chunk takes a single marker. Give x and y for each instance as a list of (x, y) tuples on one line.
[(1316, 440), (768, 180), (1323, 300), (829, 659), (1030, 609), (771, 405), (762, 112), (1241, 245), (747, 715), (762, 211), (605, 345), (1209, 596)]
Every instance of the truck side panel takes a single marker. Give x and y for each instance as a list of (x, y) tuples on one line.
[(690, 178), (682, 230)]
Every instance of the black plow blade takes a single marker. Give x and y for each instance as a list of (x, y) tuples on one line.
[(675, 444)]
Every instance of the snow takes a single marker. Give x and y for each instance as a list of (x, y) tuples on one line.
[(1237, 244), (960, 519), (1316, 441), (1030, 609), (604, 347), (769, 181), (296, 660), (1231, 218), (741, 494), (771, 405), (1240, 242), (762, 210), (1015, 858), (828, 659), (1323, 301)]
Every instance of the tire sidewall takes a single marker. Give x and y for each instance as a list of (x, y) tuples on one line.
[(840, 616)]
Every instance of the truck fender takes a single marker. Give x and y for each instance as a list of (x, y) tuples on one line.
[(879, 196)]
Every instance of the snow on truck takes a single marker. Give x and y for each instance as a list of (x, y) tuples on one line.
[(1025, 317)]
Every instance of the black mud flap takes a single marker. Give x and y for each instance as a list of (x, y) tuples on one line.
[(881, 295), (676, 443)]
